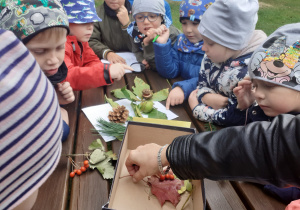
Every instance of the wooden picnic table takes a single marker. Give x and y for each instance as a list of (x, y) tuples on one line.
[(90, 191)]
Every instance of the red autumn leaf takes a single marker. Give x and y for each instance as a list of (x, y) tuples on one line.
[(165, 190)]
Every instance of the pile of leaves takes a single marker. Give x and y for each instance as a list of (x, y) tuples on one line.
[(136, 98), (101, 160)]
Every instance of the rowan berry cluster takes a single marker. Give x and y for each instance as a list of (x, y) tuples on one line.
[(168, 176), (77, 169)]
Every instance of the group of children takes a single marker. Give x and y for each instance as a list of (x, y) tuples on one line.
[(214, 54)]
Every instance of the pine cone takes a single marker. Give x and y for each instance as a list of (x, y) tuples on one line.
[(118, 115)]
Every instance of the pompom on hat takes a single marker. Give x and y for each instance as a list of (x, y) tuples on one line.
[(230, 23), (193, 9), (27, 18), (82, 11), (277, 60)]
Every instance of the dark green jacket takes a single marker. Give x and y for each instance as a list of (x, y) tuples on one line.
[(108, 35)]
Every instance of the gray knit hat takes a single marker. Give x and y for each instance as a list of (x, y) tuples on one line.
[(278, 59), (230, 23), (154, 6)]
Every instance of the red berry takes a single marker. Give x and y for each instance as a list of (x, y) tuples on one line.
[(172, 177), (86, 166), (86, 162), (162, 177), (72, 174), (167, 176), (83, 169), (75, 171), (79, 172)]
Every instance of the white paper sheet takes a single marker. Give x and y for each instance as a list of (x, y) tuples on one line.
[(130, 58), (93, 113)]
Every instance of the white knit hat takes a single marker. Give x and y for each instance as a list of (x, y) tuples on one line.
[(230, 23), (154, 6)]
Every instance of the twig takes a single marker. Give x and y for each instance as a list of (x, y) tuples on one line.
[(188, 198)]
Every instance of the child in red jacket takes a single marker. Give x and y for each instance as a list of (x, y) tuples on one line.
[(85, 70)]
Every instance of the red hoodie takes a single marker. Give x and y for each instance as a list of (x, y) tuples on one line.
[(85, 70)]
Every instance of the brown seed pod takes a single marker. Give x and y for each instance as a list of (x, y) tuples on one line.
[(147, 93)]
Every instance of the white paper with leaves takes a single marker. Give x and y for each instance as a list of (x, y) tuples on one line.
[(93, 113)]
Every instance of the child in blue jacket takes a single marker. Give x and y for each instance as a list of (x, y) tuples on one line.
[(184, 58)]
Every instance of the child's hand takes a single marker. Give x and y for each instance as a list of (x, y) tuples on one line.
[(64, 93), (216, 101), (176, 96), (244, 94), (117, 70), (163, 33), (122, 14), (193, 101), (147, 66), (115, 58)]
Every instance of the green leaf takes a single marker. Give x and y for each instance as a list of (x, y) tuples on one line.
[(111, 102), (140, 85), (136, 110), (118, 93), (97, 144), (106, 169), (112, 155), (157, 114), (186, 187), (160, 95), (97, 156)]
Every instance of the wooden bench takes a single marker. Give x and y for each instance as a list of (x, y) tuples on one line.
[(90, 191)]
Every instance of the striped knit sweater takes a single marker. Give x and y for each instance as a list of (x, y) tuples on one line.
[(30, 123)]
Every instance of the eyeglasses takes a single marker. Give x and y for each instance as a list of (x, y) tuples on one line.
[(138, 67), (141, 18)]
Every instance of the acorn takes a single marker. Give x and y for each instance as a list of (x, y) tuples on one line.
[(147, 93)]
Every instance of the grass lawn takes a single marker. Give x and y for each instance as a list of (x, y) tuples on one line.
[(271, 15)]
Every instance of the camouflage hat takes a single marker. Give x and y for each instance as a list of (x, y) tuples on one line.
[(278, 59), (27, 18)]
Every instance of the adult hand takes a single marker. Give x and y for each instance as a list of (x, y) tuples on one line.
[(193, 101), (115, 58), (142, 161), (64, 93), (122, 14), (216, 101), (244, 94), (176, 96), (117, 70)]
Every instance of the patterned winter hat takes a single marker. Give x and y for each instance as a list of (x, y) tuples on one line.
[(27, 18), (278, 59), (82, 11), (193, 9)]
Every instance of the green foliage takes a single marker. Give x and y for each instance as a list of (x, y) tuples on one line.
[(210, 127), (140, 85), (157, 114), (160, 95), (119, 93), (101, 160), (137, 111), (111, 102), (186, 187), (111, 128)]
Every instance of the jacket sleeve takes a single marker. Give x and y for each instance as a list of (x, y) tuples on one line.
[(91, 75), (96, 42), (167, 59), (187, 86), (262, 152)]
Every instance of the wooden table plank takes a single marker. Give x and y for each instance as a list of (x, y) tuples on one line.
[(54, 196), (255, 198), (90, 190)]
